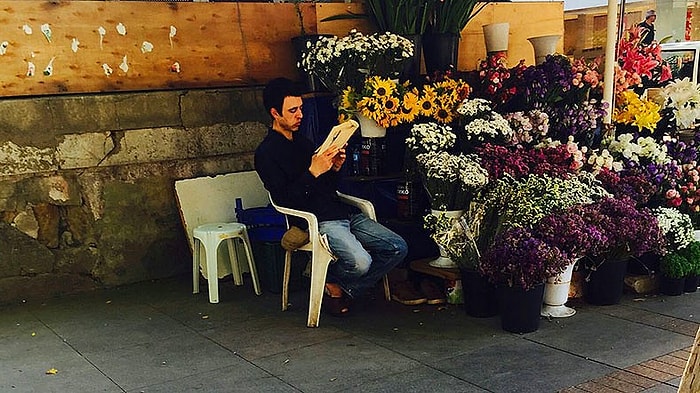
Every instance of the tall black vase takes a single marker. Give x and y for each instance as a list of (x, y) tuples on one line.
[(604, 286), (691, 283), (300, 45), (520, 309), (480, 298), (440, 51), (411, 68)]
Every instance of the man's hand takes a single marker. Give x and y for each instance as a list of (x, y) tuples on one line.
[(322, 162), (339, 159)]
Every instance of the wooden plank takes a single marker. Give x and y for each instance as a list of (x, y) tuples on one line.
[(690, 381), (216, 44)]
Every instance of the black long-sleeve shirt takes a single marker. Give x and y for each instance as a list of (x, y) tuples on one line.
[(283, 166)]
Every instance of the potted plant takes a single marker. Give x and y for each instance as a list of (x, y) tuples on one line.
[(342, 62), (518, 262), (302, 42), (629, 231), (571, 234), (674, 268), (692, 254), (441, 40)]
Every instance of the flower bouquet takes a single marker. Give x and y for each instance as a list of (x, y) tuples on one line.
[(676, 228), (430, 137), (347, 61), (520, 257), (451, 180), (639, 65), (382, 100), (481, 124), (631, 110), (439, 100), (682, 98)]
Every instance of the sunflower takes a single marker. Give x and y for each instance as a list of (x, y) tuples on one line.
[(346, 99), (426, 105), (443, 114), (409, 108), (381, 88), (429, 91)]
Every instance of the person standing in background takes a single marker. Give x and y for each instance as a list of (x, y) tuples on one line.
[(646, 28)]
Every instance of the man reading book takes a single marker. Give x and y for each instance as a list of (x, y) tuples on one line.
[(299, 178)]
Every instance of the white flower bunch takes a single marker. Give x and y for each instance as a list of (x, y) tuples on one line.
[(450, 179), (602, 159), (644, 148), (430, 137), (676, 227), (683, 96), (528, 126), (346, 61), (482, 122)]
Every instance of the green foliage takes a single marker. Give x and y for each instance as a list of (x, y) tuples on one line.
[(692, 255), (674, 265)]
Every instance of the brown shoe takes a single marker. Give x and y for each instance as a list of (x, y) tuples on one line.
[(432, 291), (405, 293)]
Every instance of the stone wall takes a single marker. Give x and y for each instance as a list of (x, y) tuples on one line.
[(87, 182)]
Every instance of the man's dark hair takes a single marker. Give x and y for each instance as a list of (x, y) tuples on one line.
[(276, 90)]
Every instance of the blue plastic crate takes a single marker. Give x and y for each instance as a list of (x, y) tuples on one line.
[(264, 224)]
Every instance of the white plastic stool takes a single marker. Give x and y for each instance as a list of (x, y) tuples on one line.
[(211, 236)]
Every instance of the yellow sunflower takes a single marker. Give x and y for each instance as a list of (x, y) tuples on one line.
[(443, 114), (410, 107), (426, 105), (429, 91), (382, 88), (346, 98)]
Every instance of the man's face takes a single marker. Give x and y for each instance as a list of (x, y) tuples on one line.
[(290, 118), (652, 19)]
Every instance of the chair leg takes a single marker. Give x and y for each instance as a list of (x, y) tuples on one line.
[(321, 258), (285, 279), (210, 248), (387, 289), (235, 264), (195, 266), (251, 263)]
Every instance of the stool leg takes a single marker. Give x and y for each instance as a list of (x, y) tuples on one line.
[(233, 258), (195, 266), (211, 249), (251, 262)]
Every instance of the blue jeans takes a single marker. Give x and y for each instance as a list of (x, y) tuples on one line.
[(366, 251)]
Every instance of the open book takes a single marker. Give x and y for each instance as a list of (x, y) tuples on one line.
[(339, 135)]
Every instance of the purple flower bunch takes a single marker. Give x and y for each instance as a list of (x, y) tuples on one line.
[(577, 119), (518, 257), (547, 83), (681, 152), (528, 127), (571, 234), (636, 187), (556, 161), (630, 231)]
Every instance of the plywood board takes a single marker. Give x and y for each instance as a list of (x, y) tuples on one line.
[(215, 44), (205, 200)]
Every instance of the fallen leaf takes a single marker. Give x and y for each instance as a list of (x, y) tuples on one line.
[(51, 371), (33, 334), (205, 316)]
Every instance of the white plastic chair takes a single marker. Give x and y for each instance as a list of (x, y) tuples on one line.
[(321, 256)]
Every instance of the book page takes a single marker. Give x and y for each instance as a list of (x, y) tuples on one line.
[(339, 135)]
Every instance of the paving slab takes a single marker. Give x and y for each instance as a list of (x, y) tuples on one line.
[(161, 361), (608, 340), (522, 366), (417, 380), (335, 365), (239, 378), (32, 350)]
